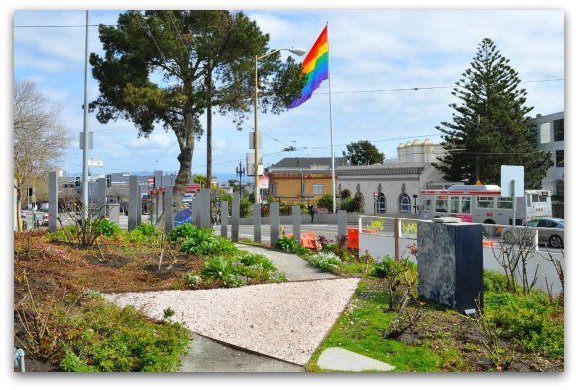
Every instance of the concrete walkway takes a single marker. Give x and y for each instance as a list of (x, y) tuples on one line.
[(294, 267)]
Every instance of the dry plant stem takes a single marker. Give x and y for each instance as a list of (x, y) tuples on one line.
[(558, 267)]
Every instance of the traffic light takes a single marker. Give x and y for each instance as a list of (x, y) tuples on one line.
[(77, 181), (30, 191), (108, 180)]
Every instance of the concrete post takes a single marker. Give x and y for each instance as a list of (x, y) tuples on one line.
[(52, 201), (114, 213), (257, 222), (341, 223), (296, 212), (205, 207), (134, 203), (100, 198), (235, 215), (274, 223), (168, 209), (196, 219), (224, 218), (158, 175)]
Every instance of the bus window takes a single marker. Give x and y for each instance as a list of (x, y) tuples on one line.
[(535, 198), (528, 200), (466, 201), (485, 202), (454, 204), (542, 198), (426, 205), (441, 205), (505, 203)]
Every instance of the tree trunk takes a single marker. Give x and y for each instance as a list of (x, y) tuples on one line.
[(185, 158)]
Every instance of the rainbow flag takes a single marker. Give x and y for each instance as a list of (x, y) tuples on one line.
[(315, 68)]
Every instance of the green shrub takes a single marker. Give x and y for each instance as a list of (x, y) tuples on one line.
[(325, 261), (326, 201), (241, 269), (106, 228), (204, 242), (64, 233), (148, 230), (182, 232), (495, 282), (192, 280), (245, 207), (532, 320), (400, 276), (117, 339), (291, 245)]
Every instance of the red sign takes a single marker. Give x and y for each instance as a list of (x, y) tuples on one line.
[(264, 182), (193, 188), (151, 181)]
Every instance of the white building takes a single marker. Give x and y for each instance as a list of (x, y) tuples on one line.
[(550, 137), (393, 187)]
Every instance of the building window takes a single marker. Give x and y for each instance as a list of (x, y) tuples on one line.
[(560, 158), (318, 189), (545, 133), (485, 202), (380, 204), (273, 189), (560, 189), (559, 130), (404, 203)]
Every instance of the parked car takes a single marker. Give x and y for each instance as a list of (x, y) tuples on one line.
[(549, 236)]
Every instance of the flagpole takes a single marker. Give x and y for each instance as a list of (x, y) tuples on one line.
[(331, 125)]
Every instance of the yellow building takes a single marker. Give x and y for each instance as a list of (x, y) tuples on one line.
[(301, 179)]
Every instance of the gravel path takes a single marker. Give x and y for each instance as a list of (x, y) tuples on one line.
[(285, 320), (294, 267)]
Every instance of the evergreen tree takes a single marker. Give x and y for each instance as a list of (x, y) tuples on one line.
[(363, 153), (490, 126)]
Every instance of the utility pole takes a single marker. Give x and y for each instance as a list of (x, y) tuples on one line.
[(85, 130)]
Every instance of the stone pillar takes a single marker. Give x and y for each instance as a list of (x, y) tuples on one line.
[(158, 175), (52, 201), (114, 213), (134, 203), (450, 264), (274, 222), (224, 218), (296, 212), (100, 198), (168, 209), (196, 218), (204, 206), (235, 215), (341, 223), (257, 222)]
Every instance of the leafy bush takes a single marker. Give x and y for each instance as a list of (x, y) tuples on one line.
[(325, 261), (495, 282), (400, 277), (182, 232), (326, 201), (121, 340), (64, 233), (148, 230), (531, 320), (192, 280), (239, 270), (106, 228), (204, 242), (291, 245), (245, 207)]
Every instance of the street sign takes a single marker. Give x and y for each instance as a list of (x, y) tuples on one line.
[(95, 163), (151, 181), (264, 182), (193, 188)]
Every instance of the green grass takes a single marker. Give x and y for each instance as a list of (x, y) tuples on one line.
[(359, 330), (114, 339)]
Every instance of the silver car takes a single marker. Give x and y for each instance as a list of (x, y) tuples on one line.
[(553, 235)]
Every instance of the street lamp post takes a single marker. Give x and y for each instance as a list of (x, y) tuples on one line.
[(298, 52), (240, 172)]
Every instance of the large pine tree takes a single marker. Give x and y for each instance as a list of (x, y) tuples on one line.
[(490, 126)]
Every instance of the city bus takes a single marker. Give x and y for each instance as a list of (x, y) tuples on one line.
[(484, 204)]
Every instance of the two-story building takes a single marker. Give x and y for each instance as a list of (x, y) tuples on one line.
[(550, 137), (296, 180)]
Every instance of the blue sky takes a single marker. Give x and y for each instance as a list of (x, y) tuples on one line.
[(377, 50)]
